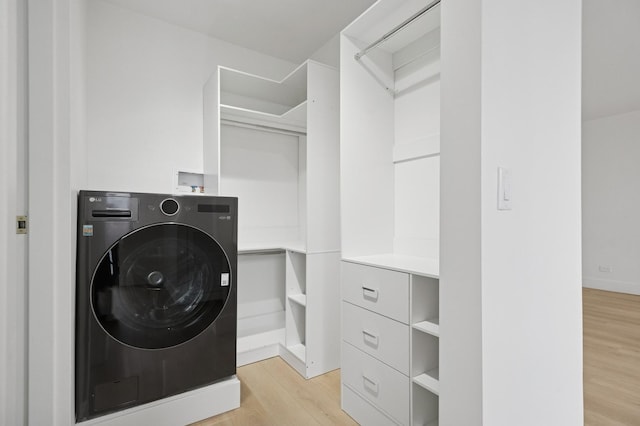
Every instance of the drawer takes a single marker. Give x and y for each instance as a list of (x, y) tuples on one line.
[(380, 290), (362, 411), (379, 336), (375, 381)]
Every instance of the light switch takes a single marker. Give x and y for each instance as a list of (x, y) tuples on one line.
[(504, 189)]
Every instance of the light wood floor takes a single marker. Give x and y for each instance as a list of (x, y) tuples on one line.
[(611, 358), (274, 394)]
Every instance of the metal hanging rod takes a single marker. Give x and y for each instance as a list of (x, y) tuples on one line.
[(391, 33)]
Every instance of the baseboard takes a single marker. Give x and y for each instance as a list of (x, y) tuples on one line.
[(259, 346), (293, 360), (258, 354), (612, 285), (182, 409)]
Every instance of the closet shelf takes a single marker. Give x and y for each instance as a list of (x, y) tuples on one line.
[(429, 380), (272, 247), (386, 18), (411, 264), (431, 326), (299, 351), (253, 92), (300, 299), (293, 119)]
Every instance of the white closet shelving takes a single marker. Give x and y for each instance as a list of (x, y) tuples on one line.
[(275, 145), (390, 199)]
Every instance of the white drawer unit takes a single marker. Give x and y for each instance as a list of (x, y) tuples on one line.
[(390, 367), (380, 290), (378, 336), (375, 381)]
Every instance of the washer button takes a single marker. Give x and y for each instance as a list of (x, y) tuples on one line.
[(169, 206)]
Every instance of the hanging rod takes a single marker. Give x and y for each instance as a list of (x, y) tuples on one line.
[(391, 33)]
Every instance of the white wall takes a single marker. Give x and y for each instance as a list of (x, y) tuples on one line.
[(56, 171), (526, 272), (145, 84), (610, 73), (13, 317), (611, 203), (261, 168)]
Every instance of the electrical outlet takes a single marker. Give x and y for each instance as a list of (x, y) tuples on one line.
[(605, 268)]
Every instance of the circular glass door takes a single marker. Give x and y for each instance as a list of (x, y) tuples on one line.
[(160, 286)]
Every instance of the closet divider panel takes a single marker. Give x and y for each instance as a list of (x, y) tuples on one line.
[(323, 151), (211, 135)]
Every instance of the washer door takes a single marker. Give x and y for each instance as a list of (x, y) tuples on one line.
[(160, 286)]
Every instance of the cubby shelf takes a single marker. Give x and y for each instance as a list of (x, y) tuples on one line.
[(299, 350), (431, 326), (429, 380), (300, 299)]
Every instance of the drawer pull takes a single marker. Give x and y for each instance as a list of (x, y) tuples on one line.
[(370, 337), (370, 293), (370, 384)]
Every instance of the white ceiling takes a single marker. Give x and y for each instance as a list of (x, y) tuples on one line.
[(288, 29), (610, 57), (294, 29)]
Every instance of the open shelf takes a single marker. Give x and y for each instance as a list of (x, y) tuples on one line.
[(272, 247), (246, 91), (300, 299), (431, 326), (299, 350), (429, 381), (293, 119), (402, 263), (383, 17)]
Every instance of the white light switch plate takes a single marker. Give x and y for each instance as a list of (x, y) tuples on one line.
[(505, 193)]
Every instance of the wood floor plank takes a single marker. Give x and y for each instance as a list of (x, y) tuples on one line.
[(611, 358), (272, 393), (320, 401)]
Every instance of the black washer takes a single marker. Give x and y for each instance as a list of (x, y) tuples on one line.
[(156, 297)]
